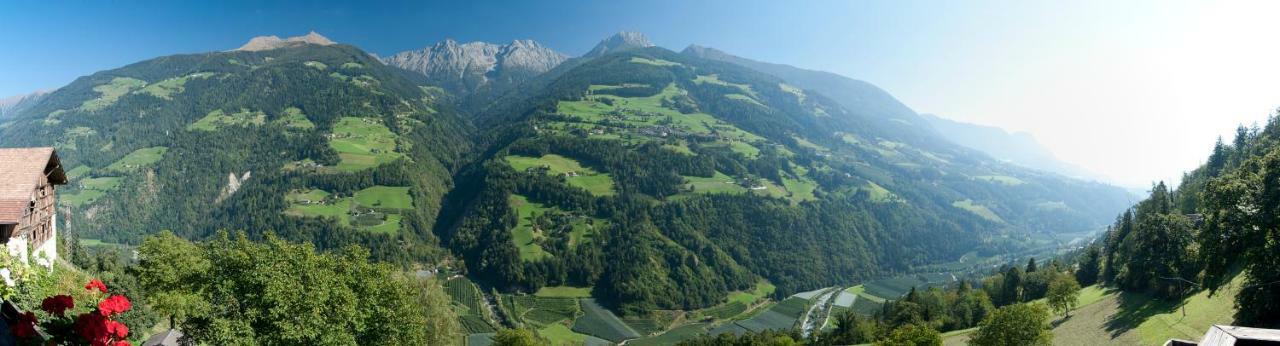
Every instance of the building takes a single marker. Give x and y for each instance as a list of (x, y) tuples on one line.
[(1220, 335), (28, 204)]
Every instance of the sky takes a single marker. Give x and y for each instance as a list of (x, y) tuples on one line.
[(1136, 91)]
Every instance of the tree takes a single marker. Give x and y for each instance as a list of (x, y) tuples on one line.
[(1011, 292), (912, 335), (1017, 324), (276, 292), (1031, 265), (168, 269), (1090, 265), (518, 337), (851, 330), (1064, 293)]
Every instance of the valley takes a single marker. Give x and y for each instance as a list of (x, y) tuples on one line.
[(632, 195)]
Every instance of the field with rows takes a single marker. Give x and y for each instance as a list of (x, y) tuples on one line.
[(602, 323)]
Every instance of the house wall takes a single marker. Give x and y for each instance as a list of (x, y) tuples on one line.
[(36, 233)]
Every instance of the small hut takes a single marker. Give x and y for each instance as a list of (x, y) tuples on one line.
[(28, 218)]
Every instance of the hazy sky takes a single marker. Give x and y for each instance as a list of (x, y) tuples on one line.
[(1136, 91)]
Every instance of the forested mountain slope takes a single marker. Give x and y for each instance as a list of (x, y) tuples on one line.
[(666, 181), (319, 143)]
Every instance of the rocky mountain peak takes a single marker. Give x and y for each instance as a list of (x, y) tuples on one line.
[(621, 41), (475, 64), (262, 43)]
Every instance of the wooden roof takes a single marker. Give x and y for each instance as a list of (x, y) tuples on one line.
[(20, 171)]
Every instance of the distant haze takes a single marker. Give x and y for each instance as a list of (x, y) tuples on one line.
[(1136, 91)]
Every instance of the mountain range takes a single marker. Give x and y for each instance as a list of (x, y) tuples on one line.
[(663, 181)]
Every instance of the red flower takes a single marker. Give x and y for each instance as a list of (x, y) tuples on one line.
[(26, 327), (114, 305), (96, 284), (58, 304), (91, 326), (117, 329)]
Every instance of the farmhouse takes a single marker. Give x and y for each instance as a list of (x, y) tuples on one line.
[(28, 218)]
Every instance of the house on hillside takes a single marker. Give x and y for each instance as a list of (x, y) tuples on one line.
[(1220, 335), (28, 205)]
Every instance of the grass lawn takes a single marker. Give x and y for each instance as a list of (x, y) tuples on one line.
[(363, 143), (294, 119), (110, 92), (645, 112), (655, 62), (385, 197), (792, 90), (217, 119), (524, 234), (977, 209), (715, 79), (564, 292), (720, 183), (1001, 179), (166, 88), (599, 184), (317, 203), (744, 98), (79, 171), (138, 159), (91, 242), (878, 193), (762, 290), (801, 189), (559, 334)]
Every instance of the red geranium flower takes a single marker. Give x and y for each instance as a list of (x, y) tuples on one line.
[(26, 326), (96, 284), (117, 329), (90, 326), (58, 304), (114, 305)]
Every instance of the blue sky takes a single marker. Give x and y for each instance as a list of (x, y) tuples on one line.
[(1134, 90)]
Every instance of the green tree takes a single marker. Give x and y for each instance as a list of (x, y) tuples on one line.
[(169, 270), (1017, 324), (852, 330), (1090, 265), (912, 335), (277, 292), (518, 337), (1064, 294)]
